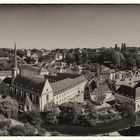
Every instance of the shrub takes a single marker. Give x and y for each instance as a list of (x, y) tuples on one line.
[(9, 107), (33, 117), (70, 112), (26, 130), (4, 125), (41, 131), (51, 113), (55, 134)]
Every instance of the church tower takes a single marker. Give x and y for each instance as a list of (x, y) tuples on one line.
[(15, 69)]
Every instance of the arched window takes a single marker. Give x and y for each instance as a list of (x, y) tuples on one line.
[(15, 92), (47, 98), (37, 100), (31, 97)]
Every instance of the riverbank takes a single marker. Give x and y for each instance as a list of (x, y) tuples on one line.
[(74, 130)]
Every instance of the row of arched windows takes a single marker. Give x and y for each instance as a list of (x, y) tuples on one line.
[(21, 94)]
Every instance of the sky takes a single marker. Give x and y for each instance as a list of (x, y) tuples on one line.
[(69, 26)]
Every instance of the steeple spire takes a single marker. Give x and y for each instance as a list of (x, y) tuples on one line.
[(15, 57), (15, 70)]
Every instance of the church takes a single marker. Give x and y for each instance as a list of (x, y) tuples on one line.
[(33, 91)]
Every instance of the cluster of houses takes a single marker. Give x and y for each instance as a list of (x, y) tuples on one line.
[(127, 89)]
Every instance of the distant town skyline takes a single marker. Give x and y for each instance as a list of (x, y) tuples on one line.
[(69, 26)]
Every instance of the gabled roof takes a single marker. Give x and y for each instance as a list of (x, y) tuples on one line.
[(33, 68), (30, 83), (60, 76), (126, 91), (137, 85), (63, 85), (92, 84), (101, 88), (7, 80), (28, 102), (29, 67), (43, 69)]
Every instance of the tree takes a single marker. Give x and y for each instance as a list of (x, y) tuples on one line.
[(33, 117), (116, 48), (50, 113), (123, 47), (5, 124), (70, 58), (21, 53), (122, 62), (137, 60), (111, 85), (77, 57), (87, 93), (90, 117), (9, 107), (128, 110), (100, 96), (26, 130), (70, 113), (116, 59), (131, 63), (90, 110), (84, 57)]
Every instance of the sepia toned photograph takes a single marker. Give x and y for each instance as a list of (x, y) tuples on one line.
[(69, 70)]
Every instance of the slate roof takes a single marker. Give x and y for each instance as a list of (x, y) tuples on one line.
[(30, 67), (126, 91), (7, 80), (43, 69), (137, 85), (60, 76), (28, 102), (92, 84), (31, 83), (70, 51), (101, 88), (137, 94), (63, 85), (90, 50)]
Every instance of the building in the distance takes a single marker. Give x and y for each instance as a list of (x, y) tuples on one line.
[(128, 78), (29, 70)]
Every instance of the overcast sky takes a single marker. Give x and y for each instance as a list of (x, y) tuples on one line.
[(69, 26)]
